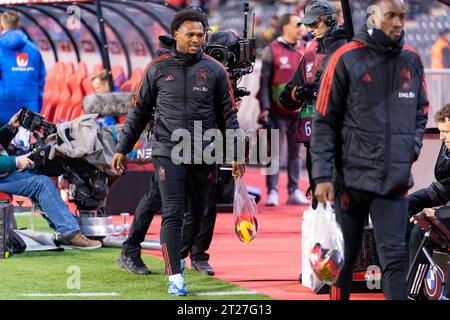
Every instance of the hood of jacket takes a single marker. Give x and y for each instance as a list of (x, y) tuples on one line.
[(333, 35), (377, 40), (13, 40)]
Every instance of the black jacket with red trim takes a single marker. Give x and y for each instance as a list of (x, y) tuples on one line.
[(371, 115), (177, 90), (311, 66)]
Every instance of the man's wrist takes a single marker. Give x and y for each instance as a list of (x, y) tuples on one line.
[(11, 127), (321, 180), (121, 151)]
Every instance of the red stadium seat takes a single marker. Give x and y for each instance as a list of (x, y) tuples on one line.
[(136, 78), (87, 86), (71, 93), (52, 90), (118, 75), (69, 69), (76, 112), (61, 113), (49, 92), (134, 81), (75, 83), (126, 86), (6, 197), (82, 69), (97, 69)]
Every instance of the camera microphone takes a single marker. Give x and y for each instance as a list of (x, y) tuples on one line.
[(108, 104)]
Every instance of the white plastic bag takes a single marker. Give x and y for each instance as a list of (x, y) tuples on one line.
[(309, 278), (245, 212), (327, 254)]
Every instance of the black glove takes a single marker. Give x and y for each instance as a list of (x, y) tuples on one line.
[(307, 92)]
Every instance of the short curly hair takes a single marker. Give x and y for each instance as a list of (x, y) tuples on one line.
[(188, 15), (443, 113)]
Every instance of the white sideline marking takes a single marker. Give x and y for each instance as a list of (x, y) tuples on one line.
[(81, 294), (224, 293)]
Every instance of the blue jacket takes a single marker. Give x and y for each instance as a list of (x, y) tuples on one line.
[(22, 75)]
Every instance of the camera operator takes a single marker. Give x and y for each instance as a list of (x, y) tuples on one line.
[(177, 89), (301, 91), (280, 60), (17, 177)]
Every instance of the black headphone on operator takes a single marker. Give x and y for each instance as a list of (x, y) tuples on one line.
[(330, 19)]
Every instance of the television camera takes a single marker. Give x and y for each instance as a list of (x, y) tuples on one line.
[(88, 186), (237, 54)]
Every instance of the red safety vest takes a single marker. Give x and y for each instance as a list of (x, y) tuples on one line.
[(285, 63)]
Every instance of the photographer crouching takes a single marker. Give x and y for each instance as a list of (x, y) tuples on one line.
[(18, 177)]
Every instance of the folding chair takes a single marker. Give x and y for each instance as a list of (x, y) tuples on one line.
[(439, 235)]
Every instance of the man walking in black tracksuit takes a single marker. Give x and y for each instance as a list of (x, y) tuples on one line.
[(301, 91), (186, 90), (130, 257), (368, 129)]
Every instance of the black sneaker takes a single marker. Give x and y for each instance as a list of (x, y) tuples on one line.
[(203, 267), (133, 265)]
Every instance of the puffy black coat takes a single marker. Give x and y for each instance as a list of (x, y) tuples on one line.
[(314, 61), (176, 90), (371, 115)]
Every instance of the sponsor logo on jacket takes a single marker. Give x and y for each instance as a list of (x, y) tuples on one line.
[(22, 62), (22, 59), (201, 77), (309, 68), (170, 77), (201, 89), (405, 79), (407, 95), (284, 63)]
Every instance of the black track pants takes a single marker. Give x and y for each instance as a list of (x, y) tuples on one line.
[(389, 217), (184, 188)]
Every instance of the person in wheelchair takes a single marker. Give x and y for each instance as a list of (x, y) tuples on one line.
[(424, 200), (18, 177)]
